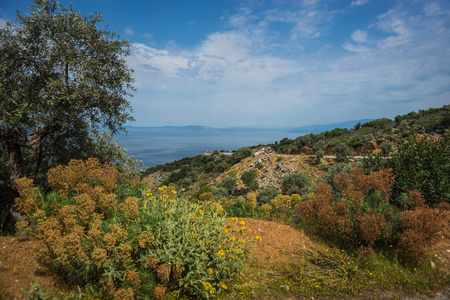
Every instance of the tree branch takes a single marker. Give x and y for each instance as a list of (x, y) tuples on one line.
[(36, 138), (14, 138)]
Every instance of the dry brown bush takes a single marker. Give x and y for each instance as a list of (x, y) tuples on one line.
[(347, 221), (421, 228)]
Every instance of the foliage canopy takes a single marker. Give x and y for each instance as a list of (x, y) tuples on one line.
[(59, 73)]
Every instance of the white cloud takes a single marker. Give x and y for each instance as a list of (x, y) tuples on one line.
[(309, 21), (146, 59), (223, 58), (359, 2), (239, 78), (359, 36), (433, 9), (128, 30), (355, 47)]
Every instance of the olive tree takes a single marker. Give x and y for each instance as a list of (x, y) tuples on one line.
[(60, 76)]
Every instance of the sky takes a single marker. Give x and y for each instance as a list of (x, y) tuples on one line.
[(280, 63)]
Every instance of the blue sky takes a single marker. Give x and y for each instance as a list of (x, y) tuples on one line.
[(280, 63)]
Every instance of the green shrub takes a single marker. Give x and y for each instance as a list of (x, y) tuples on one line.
[(266, 195), (241, 209), (319, 155), (249, 179), (242, 153), (137, 246), (386, 148), (295, 183), (219, 193), (342, 152), (229, 183), (419, 164)]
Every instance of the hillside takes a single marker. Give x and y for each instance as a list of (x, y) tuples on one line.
[(188, 174), (271, 168), (364, 137), (343, 232)]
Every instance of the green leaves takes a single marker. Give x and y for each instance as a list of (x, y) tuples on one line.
[(420, 164), (60, 74), (58, 57)]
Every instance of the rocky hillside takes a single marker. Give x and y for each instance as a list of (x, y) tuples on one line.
[(271, 168)]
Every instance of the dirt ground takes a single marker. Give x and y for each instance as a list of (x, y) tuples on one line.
[(20, 266)]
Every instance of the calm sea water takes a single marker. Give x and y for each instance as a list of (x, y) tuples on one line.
[(160, 146)]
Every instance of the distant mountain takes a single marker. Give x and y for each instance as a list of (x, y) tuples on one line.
[(324, 127), (303, 129), (198, 128)]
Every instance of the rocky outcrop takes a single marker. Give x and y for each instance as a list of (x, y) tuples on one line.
[(271, 168)]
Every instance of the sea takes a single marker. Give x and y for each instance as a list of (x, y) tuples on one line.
[(160, 145)]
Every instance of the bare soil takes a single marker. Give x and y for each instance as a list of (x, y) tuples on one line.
[(20, 267)]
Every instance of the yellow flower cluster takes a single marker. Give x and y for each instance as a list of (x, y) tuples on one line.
[(208, 287), (258, 238)]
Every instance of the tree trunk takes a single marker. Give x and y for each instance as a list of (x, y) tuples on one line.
[(16, 163), (14, 143), (17, 170)]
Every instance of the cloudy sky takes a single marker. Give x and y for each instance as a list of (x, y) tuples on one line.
[(280, 63)]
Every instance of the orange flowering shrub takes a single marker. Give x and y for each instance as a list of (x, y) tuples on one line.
[(362, 217), (84, 176), (30, 199), (357, 218), (356, 186), (129, 239)]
